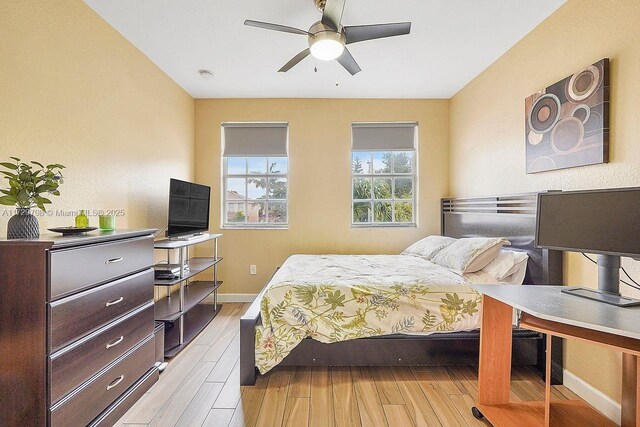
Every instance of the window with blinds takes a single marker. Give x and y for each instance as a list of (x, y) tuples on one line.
[(255, 175), (383, 174)]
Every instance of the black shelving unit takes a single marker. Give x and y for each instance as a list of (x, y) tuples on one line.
[(183, 310), (194, 266), (168, 309)]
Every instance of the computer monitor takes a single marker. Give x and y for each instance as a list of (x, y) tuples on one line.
[(604, 222)]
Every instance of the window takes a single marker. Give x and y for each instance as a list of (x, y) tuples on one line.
[(255, 175), (383, 174)]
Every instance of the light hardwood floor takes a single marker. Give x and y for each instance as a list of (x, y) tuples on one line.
[(201, 387)]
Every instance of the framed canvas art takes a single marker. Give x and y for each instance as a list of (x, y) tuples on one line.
[(567, 124)]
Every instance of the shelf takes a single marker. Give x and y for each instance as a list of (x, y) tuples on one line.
[(167, 309), (176, 244), (196, 313), (194, 322), (563, 413), (196, 266)]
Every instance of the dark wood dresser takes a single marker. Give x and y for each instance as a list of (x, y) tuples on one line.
[(76, 327)]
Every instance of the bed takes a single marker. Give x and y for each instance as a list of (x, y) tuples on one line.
[(328, 295)]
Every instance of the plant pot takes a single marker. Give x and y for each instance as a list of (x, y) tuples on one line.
[(23, 225)]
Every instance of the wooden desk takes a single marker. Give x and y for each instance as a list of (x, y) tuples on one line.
[(547, 310)]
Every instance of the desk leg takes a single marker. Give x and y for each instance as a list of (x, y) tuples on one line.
[(494, 373), (547, 384), (630, 390)]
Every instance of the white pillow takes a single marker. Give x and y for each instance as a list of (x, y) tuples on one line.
[(506, 263), (516, 278), (428, 247), (471, 254)]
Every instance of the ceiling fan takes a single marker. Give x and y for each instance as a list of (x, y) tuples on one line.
[(328, 38)]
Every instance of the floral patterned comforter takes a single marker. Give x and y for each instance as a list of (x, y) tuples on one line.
[(333, 298)]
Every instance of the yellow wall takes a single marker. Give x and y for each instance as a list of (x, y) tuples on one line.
[(320, 174), (487, 130), (74, 91)]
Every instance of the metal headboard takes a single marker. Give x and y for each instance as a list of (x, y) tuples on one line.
[(510, 216)]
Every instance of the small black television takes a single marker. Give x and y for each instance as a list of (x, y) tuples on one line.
[(189, 205)]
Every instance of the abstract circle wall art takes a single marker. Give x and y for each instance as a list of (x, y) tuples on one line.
[(567, 124)]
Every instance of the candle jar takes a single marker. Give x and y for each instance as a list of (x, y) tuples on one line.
[(107, 222)]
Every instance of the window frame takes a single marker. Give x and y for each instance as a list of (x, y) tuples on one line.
[(246, 176), (414, 175)]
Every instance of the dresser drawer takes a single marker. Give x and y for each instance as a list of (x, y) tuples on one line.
[(85, 404), (72, 270), (120, 407), (77, 363), (78, 315)]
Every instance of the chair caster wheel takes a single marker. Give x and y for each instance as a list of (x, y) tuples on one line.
[(476, 413)]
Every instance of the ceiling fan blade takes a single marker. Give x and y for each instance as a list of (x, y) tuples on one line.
[(347, 61), (275, 27), (294, 61), (332, 15), (360, 33)]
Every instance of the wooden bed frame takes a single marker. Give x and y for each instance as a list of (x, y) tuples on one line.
[(512, 217)]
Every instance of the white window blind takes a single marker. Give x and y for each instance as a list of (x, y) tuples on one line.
[(384, 136), (255, 139)]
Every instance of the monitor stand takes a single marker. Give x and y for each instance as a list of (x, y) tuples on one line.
[(608, 284), (196, 236)]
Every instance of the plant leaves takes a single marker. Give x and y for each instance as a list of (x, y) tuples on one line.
[(9, 174), (22, 196), (27, 185), (9, 165), (45, 187), (42, 200), (8, 200)]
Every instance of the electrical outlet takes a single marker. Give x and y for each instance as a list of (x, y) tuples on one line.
[(253, 269)]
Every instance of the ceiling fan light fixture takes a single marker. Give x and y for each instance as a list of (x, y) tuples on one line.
[(326, 45), (328, 38)]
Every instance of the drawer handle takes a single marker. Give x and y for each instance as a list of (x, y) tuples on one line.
[(115, 382), (114, 302), (115, 343), (113, 260)]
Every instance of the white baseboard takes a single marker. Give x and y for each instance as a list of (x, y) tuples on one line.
[(236, 297), (594, 397)]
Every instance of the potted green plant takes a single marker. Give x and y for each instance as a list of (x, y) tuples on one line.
[(28, 184)]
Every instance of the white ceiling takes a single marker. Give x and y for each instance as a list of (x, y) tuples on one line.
[(451, 42)]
